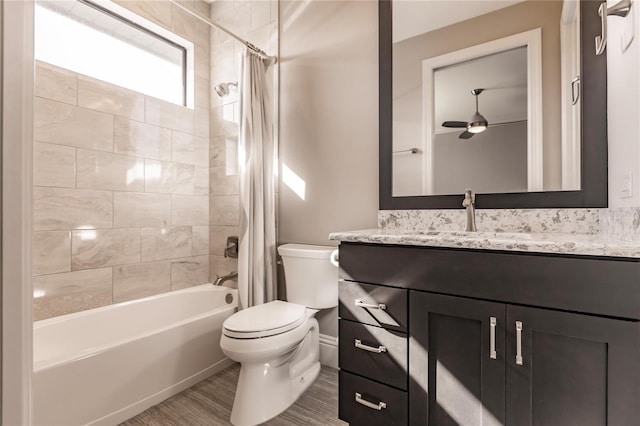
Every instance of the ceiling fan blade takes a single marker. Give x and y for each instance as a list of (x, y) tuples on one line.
[(465, 135), (507, 122), (457, 124)]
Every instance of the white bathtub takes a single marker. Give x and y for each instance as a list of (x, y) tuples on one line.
[(105, 365)]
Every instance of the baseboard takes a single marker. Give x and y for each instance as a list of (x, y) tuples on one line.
[(132, 410), (329, 350)]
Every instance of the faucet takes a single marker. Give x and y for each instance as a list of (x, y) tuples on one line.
[(221, 279), (468, 203)]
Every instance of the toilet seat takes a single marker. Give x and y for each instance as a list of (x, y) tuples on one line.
[(264, 320)]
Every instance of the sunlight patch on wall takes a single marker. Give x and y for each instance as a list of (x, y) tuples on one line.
[(153, 172), (293, 181), (88, 235), (231, 113), (137, 173)]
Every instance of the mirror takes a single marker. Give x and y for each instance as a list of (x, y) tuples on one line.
[(494, 96)]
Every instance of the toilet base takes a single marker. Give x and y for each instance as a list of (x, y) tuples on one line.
[(265, 390)]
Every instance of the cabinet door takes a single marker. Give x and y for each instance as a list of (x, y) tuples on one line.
[(456, 368), (571, 369)]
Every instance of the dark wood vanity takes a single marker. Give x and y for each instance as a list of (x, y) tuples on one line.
[(477, 336), (444, 336)]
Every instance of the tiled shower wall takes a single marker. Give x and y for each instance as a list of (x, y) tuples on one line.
[(121, 183), (257, 22)]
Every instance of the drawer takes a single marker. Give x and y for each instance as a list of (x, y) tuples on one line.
[(373, 304), (365, 402), (586, 284), (374, 352)]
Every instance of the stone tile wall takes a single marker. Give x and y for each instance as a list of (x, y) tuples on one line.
[(121, 183)]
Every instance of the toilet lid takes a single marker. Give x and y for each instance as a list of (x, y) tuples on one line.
[(264, 320)]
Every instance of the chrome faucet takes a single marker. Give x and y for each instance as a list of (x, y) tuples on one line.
[(221, 279), (469, 204)]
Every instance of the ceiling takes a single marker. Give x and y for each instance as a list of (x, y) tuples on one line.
[(414, 17)]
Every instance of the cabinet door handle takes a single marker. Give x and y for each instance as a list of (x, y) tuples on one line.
[(361, 304), (492, 338), (379, 406), (575, 94), (519, 342), (378, 350)]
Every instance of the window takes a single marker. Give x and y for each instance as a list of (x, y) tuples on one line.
[(89, 39)]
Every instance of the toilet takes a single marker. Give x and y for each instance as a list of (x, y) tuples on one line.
[(277, 343)]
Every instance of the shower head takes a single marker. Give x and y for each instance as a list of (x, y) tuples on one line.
[(222, 89)]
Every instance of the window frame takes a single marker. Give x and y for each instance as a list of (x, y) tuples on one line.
[(128, 17)]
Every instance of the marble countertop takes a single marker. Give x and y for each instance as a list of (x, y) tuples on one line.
[(578, 244)]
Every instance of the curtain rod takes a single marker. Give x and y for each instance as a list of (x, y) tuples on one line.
[(221, 28)]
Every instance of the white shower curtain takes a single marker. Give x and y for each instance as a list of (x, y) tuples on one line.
[(256, 153)]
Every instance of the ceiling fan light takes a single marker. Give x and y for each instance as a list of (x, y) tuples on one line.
[(477, 127)]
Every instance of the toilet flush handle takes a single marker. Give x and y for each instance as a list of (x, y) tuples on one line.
[(335, 258)]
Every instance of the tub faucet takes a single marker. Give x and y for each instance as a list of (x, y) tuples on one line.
[(469, 204), (221, 279)]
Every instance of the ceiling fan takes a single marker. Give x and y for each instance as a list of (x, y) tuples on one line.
[(478, 123)]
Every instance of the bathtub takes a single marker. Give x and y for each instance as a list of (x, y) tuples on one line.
[(105, 365)]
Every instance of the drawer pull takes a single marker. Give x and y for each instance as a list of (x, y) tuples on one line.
[(379, 406), (492, 338), (519, 342), (378, 350), (361, 304)]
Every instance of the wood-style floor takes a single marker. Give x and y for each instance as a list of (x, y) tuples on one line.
[(209, 403)]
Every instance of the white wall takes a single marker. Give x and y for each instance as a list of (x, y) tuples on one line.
[(16, 59), (623, 84), (492, 161), (328, 117), (328, 121)]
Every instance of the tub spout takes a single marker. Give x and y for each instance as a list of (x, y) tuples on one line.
[(221, 279), (469, 204)]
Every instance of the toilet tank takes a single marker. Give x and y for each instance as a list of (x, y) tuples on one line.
[(310, 277)]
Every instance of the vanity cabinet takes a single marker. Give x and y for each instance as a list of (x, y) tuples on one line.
[(492, 338), (466, 368), (373, 354), (490, 364)]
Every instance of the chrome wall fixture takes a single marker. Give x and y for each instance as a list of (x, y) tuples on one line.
[(469, 204), (575, 90), (409, 150), (223, 89), (621, 9)]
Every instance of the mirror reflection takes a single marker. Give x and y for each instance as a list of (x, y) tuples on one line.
[(485, 96)]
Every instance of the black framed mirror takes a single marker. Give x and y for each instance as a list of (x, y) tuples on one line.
[(592, 158)]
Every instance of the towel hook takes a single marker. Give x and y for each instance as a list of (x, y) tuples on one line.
[(621, 9)]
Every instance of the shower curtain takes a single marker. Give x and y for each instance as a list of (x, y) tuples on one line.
[(256, 154)]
